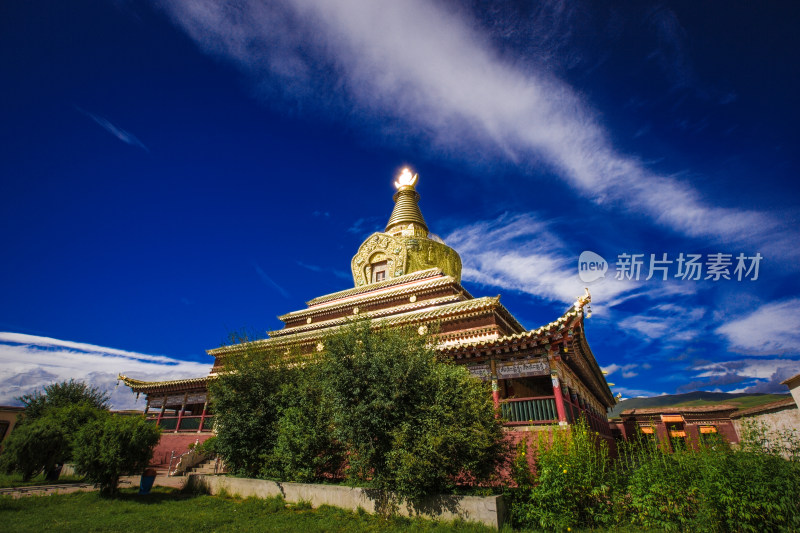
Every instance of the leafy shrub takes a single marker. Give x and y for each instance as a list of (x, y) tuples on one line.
[(271, 418), (63, 394), (406, 421), (208, 446), (572, 484), (112, 446), (305, 450), (706, 487), (410, 423), (46, 440)]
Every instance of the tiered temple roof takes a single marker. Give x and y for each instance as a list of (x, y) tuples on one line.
[(406, 276)]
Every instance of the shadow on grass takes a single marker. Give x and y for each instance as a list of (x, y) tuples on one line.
[(156, 496)]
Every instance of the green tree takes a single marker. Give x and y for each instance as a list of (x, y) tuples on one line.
[(47, 440), (572, 484), (62, 394), (245, 399), (270, 417), (410, 422), (112, 446)]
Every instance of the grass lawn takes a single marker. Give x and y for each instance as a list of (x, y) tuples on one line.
[(169, 510), (15, 480)]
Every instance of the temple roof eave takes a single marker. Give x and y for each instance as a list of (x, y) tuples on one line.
[(137, 385), (420, 274), (428, 314), (413, 286)]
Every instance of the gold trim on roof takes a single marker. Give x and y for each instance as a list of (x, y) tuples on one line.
[(413, 276), (137, 385), (367, 298), (443, 312), (379, 313)]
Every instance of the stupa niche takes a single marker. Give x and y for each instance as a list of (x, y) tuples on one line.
[(406, 245)]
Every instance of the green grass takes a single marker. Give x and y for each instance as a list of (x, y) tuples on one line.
[(742, 402), (168, 510), (15, 480)]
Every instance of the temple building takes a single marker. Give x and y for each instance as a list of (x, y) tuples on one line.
[(407, 276)]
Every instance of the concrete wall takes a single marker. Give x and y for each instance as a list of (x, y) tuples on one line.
[(778, 423), (488, 510)]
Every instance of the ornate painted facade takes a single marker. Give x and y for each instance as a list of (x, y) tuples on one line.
[(407, 276)]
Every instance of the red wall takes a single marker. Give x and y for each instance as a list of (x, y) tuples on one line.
[(177, 442)]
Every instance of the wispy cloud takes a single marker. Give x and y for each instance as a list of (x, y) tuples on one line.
[(341, 274), (627, 370), (521, 253), (365, 225), (772, 329), (29, 362), (666, 319), (636, 393), (119, 133), (268, 281), (754, 375), (424, 65)]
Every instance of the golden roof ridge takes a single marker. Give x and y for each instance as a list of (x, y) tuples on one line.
[(378, 313), (412, 276), (137, 383), (424, 285), (392, 320)]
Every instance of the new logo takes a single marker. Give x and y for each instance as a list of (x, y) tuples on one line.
[(591, 267)]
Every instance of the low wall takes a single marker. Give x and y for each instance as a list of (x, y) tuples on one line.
[(488, 510)]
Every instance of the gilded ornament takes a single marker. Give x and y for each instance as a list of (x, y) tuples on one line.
[(413, 298), (320, 346), (308, 320), (355, 310)]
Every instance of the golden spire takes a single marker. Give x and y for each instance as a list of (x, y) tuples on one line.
[(406, 209)]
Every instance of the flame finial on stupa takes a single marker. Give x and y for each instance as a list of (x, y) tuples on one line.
[(405, 179), (406, 209)]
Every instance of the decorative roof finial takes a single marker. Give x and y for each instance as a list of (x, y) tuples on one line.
[(405, 179)]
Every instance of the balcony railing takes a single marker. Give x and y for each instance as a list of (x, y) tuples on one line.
[(184, 423), (523, 411)]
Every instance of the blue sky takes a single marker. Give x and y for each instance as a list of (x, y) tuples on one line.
[(173, 171)]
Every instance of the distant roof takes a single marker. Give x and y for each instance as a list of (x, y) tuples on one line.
[(792, 381), (780, 405)]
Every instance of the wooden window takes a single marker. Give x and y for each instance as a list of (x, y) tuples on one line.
[(379, 271)]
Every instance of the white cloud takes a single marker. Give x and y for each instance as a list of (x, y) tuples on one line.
[(636, 393), (28, 362), (119, 133), (772, 329), (627, 370), (755, 375), (519, 252), (666, 320), (423, 65)]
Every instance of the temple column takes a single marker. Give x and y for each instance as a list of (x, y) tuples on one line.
[(180, 413), (495, 385), (560, 408), (203, 416), (161, 413)]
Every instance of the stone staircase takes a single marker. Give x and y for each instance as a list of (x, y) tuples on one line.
[(207, 467)]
